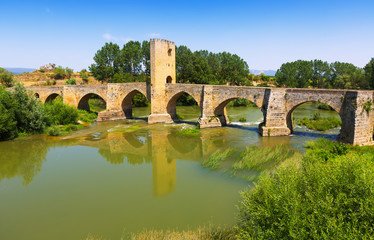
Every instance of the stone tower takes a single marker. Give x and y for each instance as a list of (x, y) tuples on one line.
[(162, 73), (162, 62)]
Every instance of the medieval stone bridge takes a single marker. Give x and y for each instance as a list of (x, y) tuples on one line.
[(277, 104)]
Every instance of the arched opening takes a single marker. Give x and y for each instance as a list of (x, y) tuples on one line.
[(239, 111), (136, 105), (314, 116), (168, 79), (36, 95), (183, 107), (52, 97), (92, 103)]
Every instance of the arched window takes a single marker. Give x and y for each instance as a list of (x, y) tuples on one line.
[(168, 79), (169, 52)]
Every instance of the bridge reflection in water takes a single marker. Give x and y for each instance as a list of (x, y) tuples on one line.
[(159, 147)]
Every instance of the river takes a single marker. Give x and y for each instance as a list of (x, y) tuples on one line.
[(117, 177)]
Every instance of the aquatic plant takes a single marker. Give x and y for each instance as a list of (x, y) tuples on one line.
[(242, 119), (215, 159), (189, 132)]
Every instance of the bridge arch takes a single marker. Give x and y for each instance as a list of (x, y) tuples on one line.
[(83, 102), (289, 118), (52, 97), (127, 102), (171, 107), (220, 109)]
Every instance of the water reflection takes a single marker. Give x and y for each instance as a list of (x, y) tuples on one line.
[(135, 142)]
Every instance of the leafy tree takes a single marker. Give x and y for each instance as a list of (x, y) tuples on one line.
[(8, 124), (107, 62), (146, 52), (132, 57), (321, 72), (369, 73), (84, 75), (6, 77), (28, 111), (296, 74)]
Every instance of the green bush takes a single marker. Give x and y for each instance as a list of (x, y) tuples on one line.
[(86, 117), (71, 81), (6, 78), (60, 113), (242, 119), (331, 196), (8, 123), (54, 131)]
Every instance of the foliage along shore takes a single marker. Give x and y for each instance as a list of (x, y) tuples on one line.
[(22, 114)]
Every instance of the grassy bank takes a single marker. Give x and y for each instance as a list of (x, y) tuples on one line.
[(316, 122)]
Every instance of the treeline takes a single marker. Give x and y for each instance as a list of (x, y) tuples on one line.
[(132, 63), (320, 74)]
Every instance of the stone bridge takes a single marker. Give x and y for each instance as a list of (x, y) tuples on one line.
[(277, 104)]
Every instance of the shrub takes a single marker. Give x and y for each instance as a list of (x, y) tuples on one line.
[(60, 113), (54, 131), (6, 78), (8, 123), (329, 197), (71, 81)]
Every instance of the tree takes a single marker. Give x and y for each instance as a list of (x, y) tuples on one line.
[(296, 74), (146, 52), (84, 75), (107, 62), (321, 72), (6, 77), (132, 56), (369, 73)]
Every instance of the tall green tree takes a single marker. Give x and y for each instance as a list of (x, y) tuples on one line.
[(108, 61), (132, 57), (6, 77), (369, 73), (296, 74), (321, 72), (146, 52)]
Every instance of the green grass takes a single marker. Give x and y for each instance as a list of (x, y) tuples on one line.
[(251, 162), (189, 132), (319, 124), (59, 130), (214, 161), (242, 119)]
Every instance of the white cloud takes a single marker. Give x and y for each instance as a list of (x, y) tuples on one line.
[(109, 37), (153, 35)]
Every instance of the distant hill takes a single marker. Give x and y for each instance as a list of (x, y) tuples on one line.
[(266, 72), (20, 70)]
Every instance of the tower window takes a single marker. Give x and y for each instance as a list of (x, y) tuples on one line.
[(168, 79), (169, 52)]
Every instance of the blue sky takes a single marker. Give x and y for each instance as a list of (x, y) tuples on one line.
[(264, 33)]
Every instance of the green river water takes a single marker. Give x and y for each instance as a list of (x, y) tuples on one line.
[(118, 177)]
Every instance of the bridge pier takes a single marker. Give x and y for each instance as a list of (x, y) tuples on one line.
[(275, 114), (208, 118), (357, 123)]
